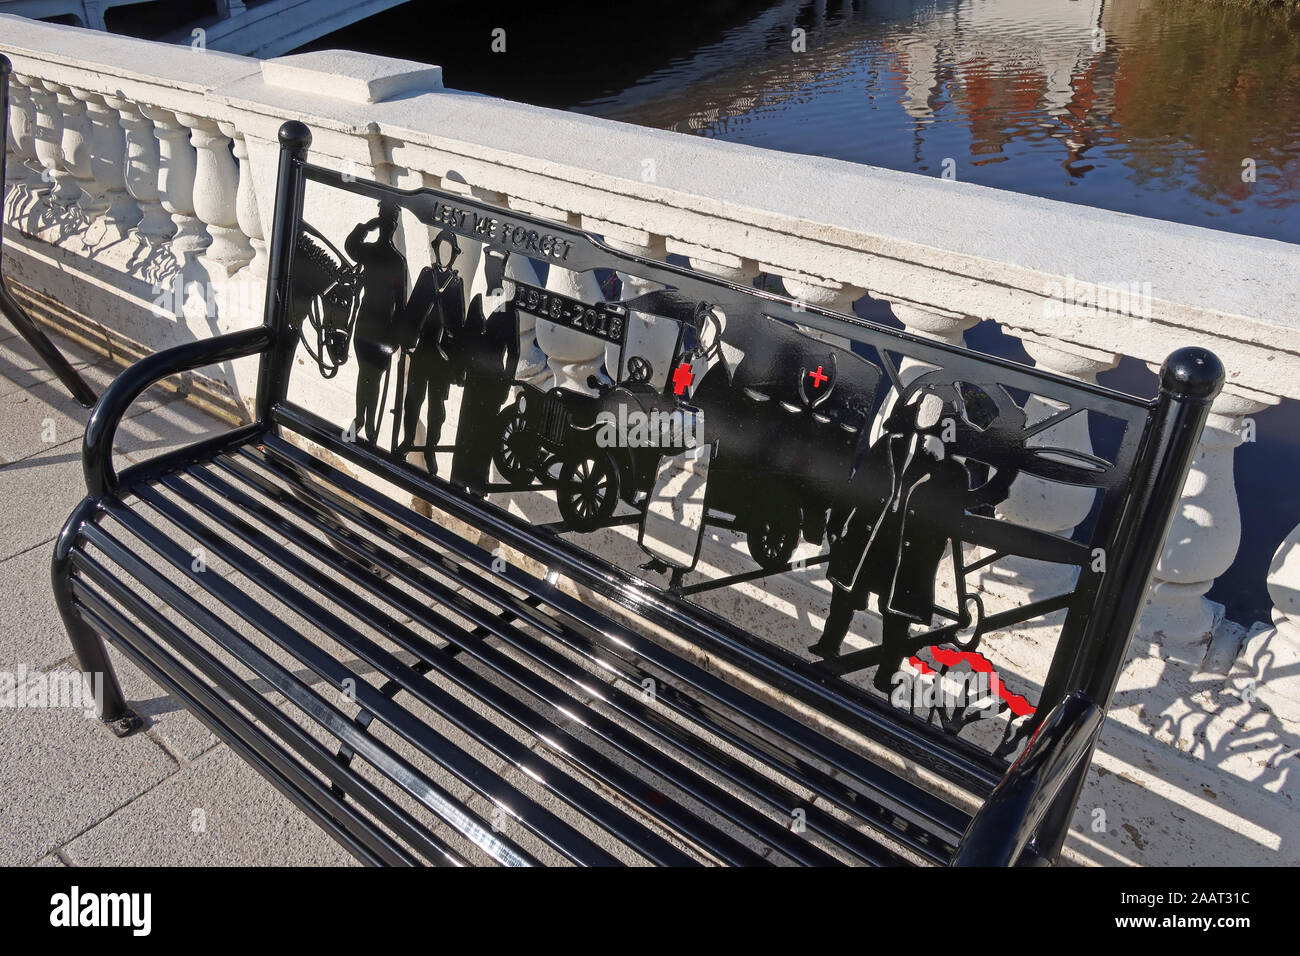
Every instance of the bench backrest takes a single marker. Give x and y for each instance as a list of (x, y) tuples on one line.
[(755, 474)]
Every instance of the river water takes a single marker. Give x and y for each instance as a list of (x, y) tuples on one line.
[(1183, 110), (1175, 109)]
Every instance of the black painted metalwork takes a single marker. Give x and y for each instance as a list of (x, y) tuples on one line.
[(858, 470), (11, 307)]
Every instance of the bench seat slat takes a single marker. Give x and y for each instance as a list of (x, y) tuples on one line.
[(224, 720), (900, 796), (607, 730), (598, 809), (626, 704), (435, 797)]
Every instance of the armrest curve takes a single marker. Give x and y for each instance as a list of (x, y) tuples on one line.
[(1009, 818), (97, 447)]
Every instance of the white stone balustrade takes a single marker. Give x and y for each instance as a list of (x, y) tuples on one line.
[(109, 198), (46, 135), (1047, 505), (72, 172), (22, 124), (215, 195), (140, 172), (247, 216), (1204, 537), (198, 160), (1271, 656), (177, 169)]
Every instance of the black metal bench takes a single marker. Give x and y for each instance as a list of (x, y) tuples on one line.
[(610, 612)]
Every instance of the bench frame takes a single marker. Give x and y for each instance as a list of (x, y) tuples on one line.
[(1027, 813)]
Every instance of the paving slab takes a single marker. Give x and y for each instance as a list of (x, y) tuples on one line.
[(22, 368), (165, 717), (216, 812), (64, 772), (45, 414), (39, 493), (31, 631)]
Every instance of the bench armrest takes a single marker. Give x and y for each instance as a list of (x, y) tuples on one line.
[(97, 448), (1014, 810)]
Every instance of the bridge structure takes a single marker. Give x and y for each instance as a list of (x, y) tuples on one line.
[(261, 28), (140, 179)]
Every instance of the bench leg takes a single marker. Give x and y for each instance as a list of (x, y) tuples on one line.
[(1055, 827), (92, 655)]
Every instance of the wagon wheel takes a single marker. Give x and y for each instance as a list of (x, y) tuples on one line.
[(639, 369), (516, 455), (772, 538), (588, 491)]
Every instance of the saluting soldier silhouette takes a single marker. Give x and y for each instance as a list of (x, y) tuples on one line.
[(487, 351), (434, 316), (383, 295), (887, 535)]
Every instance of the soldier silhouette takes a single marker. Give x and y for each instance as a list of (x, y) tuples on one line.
[(888, 534), (488, 353), (434, 316), (383, 292)]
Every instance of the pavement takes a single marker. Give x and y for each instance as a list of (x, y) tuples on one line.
[(73, 794)]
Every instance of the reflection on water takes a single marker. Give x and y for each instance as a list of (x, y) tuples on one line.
[(1152, 107)]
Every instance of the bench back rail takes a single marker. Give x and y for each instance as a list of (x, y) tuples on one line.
[(699, 451)]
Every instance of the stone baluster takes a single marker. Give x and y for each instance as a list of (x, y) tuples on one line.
[(106, 195), (928, 322), (1271, 655), (247, 213), (832, 296), (81, 159), (216, 188), (715, 262), (177, 167), (141, 172), (46, 135), (73, 174), (1204, 536), (1049, 505), (20, 163)]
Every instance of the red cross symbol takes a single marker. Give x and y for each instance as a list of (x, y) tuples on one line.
[(818, 377), (682, 376)]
